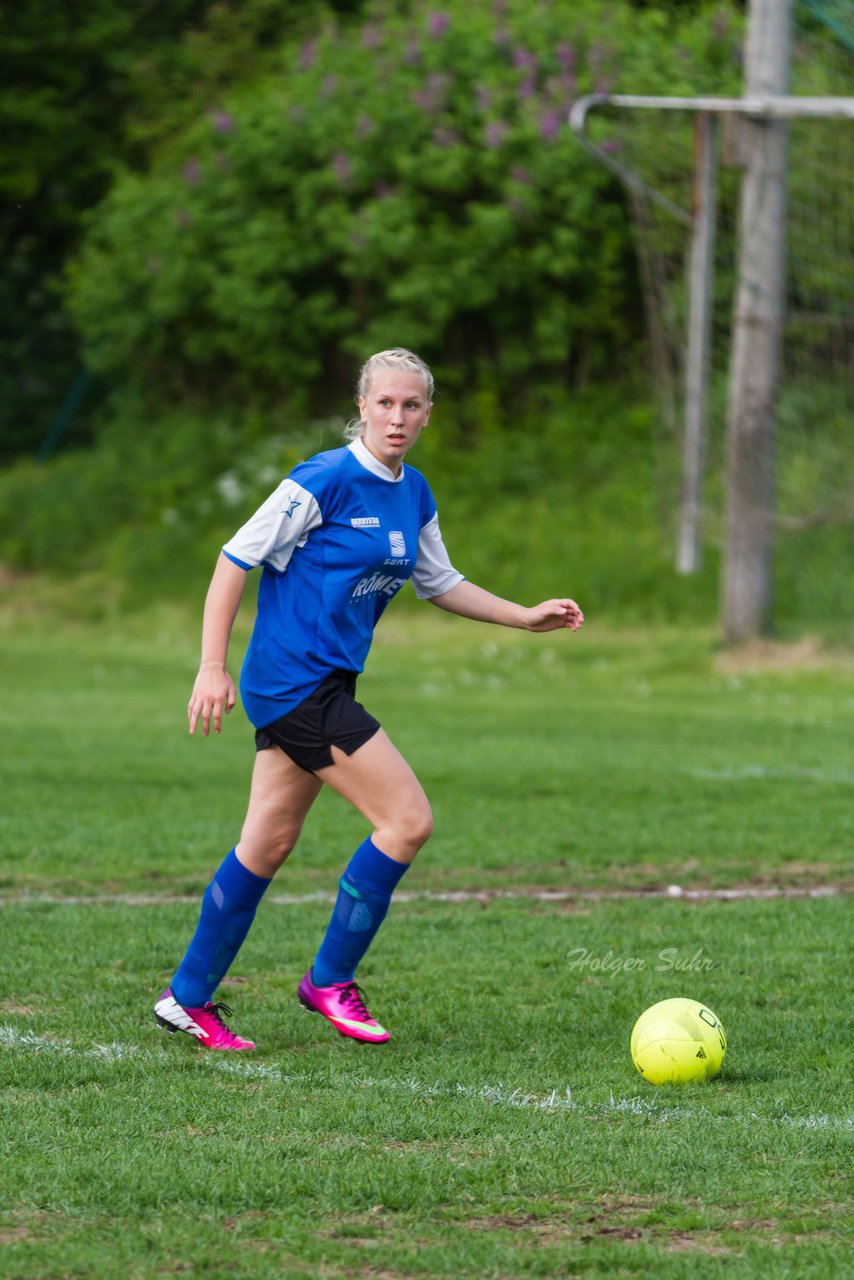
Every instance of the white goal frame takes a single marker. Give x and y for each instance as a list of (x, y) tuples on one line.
[(701, 221)]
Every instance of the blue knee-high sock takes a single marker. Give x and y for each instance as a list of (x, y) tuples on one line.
[(228, 909), (364, 895)]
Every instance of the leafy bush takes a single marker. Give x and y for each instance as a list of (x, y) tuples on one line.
[(413, 183)]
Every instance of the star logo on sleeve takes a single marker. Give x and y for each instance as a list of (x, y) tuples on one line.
[(291, 508)]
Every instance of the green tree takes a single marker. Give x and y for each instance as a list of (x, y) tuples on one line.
[(86, 91)]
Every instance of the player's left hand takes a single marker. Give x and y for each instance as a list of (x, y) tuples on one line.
[(552, 615)]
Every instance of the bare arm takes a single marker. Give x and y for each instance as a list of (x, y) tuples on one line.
[(471, 601), (214, 689)]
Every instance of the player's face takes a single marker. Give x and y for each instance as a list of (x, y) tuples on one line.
[(394, 411)]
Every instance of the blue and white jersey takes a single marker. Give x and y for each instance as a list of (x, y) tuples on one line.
[(337, 540)]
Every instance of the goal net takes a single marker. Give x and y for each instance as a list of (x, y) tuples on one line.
[(657, 154)]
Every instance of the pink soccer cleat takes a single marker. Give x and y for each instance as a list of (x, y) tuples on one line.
[(343, 1004), (205, 1024)]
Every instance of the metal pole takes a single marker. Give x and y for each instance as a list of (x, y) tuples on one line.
[(700, 292), (757, 334), (58, 427)]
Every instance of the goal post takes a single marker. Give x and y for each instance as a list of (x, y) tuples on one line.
[(757, 123), (757, 342)]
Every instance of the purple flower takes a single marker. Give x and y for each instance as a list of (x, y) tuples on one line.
[(384, 191), (566, 57), (549, 125), (371, 36), (496, 132), (720, 25), (437, 24), (523, 60), (431, 97), (341, 167), (296, 115), (307, 54), (526, 89), (222, 121), (412, 56), (516, 207), (502, 36), (484, 97), (330, 84), (499, 8), (364, 125), (192, 172), (610, 146), (520, 175)]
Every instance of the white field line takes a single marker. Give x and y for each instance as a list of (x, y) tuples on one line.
[(748, 772), (737, 893), (558, 1101)]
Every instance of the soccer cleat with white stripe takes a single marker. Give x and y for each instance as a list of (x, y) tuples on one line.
[(205, 1024), (343, 1004)]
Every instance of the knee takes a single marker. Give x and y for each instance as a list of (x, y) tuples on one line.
[(264, 849), (412, 828), (422, 825), (281, 844)]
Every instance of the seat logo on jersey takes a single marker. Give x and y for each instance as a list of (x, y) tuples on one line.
[(396, 542), (365, 522)]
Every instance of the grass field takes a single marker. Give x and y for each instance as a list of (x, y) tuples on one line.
[(503, 1131)]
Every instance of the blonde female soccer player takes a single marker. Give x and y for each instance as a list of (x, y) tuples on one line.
[(335, 542)]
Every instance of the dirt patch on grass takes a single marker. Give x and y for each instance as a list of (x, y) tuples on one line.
[(634, 1219), (371, 1273), (13, 1235), (680, 1241), (758, 656), (533, 1230), (27, 1225)]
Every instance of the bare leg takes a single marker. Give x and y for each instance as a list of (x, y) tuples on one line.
[(380, 784), (282, 794)]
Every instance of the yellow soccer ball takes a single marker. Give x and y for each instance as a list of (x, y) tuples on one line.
[(677, 1042)]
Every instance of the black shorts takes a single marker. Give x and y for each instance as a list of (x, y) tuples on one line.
[(329, 717)]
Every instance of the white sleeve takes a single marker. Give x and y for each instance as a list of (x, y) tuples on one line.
[(282, 523), (434, 574)]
